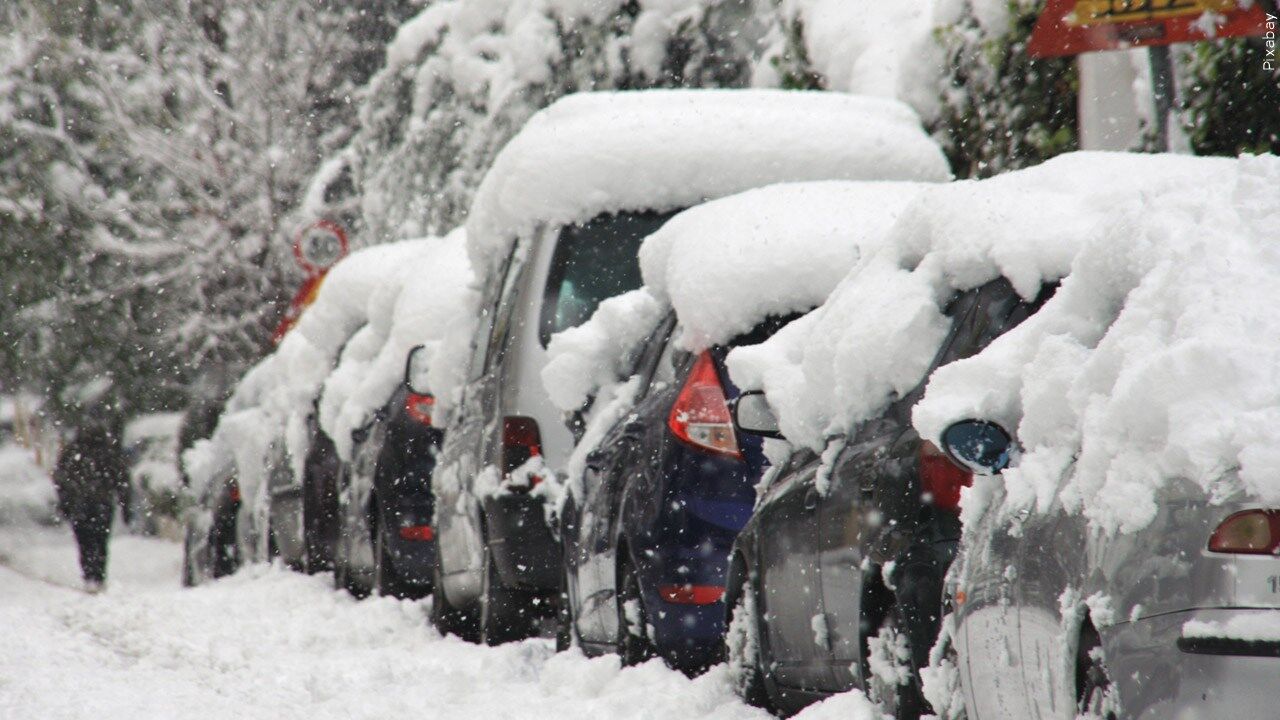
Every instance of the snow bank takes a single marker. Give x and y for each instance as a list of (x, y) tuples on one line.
[(664, 149), (272, 644), (26, 490), (1157, 358), (877, 334)]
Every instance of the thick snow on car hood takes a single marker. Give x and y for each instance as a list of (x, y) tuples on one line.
[(1158, 358), (592, 153), (726, 265)]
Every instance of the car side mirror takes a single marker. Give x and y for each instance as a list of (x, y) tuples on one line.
[(752, 415), (415, 371), (980, 446)]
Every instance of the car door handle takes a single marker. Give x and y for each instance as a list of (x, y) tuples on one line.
[(634, 428), (811, 499), (868, 493)]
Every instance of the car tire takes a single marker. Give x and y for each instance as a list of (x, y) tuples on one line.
[(386, 581), (447, 619), (1095, 698), (742, 650), (318, 514), (344, 579), (633, 643), (888, 656), (506, 614)]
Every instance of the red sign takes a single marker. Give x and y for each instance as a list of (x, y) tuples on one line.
[(1071, 27), (319, 246)]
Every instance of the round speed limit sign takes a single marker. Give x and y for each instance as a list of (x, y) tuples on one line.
[(319, 246)]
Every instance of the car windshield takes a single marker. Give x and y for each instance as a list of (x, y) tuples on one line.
[(592, 262)]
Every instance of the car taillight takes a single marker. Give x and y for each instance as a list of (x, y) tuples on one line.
[(233, 492), (419, 407), (941, 479), (1249, 532), (521, 442), (700, 415), (417, 532), (691, 594)]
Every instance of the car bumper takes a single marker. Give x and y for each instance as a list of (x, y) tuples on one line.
[(1166, 669), (526, 553)]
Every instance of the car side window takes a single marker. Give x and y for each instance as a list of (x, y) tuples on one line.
[(656, 366), (491, 326)]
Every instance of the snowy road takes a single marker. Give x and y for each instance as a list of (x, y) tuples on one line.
[(269, 643)]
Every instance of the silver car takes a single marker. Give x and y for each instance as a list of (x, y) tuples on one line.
[(1052, 619)]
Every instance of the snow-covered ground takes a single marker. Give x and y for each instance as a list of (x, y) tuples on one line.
[(271, 643)]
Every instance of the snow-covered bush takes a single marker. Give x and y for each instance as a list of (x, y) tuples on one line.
[(1001, 110), (1229, 98)]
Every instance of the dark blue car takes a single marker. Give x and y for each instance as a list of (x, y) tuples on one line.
[(647, 538)]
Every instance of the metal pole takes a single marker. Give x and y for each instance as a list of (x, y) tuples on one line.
[(1162, 91)]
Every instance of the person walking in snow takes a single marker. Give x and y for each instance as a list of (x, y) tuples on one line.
[(91, 476)]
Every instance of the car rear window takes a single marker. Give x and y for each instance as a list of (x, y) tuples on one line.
[(592, 262)]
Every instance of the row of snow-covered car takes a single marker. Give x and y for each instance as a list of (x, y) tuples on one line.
[(741, 375)]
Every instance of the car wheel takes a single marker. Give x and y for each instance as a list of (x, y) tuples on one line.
[(385, 579), (893, 680), (633, 645), (566, 634), (1095, 697), (506, 614), (344, 579), (446, 618), (742, 646)]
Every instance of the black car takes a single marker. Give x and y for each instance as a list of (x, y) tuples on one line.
[(836, 573), (664, 496), (386, 539)]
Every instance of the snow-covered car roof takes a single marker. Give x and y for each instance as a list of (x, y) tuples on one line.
[(1148, 362), (724, 267), (599, 152)]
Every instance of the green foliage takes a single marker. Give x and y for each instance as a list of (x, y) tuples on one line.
[(1000, 109), (1230, 102)]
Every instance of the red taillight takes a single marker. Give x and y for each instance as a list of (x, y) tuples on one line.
[(691, 594), (419, 407), (941, 479), (233, 492), (700, 415), (1249, 532), (418, 532), (521, 442)]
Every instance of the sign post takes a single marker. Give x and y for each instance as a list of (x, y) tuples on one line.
[(317, 248), (1074, 27)]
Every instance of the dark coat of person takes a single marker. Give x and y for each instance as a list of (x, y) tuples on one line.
[(92, 474)]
